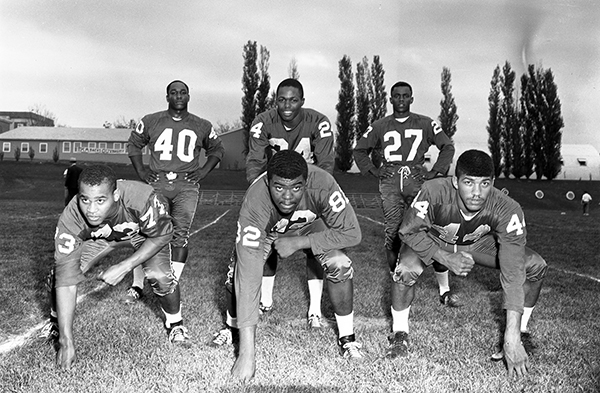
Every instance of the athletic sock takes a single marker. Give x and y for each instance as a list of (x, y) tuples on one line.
[(172, 319), (138, 277), (315, 291), (177, 269), (525, 318), (230, 321), (443, 282), (400, 320), (345, 324), (266, 291)]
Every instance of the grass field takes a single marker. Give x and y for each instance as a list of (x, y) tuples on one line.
[(124, 348)]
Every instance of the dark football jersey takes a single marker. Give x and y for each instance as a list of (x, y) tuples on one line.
[(435, 217), (312, 138), (139, 211), (174, 145), (260, 223), (404, 142)]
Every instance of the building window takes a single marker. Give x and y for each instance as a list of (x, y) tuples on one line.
[(91, 145), (117, 145), (76, 147), (24, 147), (43, 148), (102, 145), (66, 147), (582, 161), (6, 147)]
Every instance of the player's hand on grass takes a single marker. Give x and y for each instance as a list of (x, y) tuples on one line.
[(459, 263), (114, 274), (516, 358), (65, 357), (244, 367)]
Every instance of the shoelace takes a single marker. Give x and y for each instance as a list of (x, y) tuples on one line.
[(352, 350), (223, 337), (404, 172), (178, 333)]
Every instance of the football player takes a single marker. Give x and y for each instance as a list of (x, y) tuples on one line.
[(459, 222), (105, 215), (289, 126), (404, 137), (175, 139), (294, 206)]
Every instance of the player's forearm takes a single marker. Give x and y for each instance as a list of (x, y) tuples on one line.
[(149, 248), (138, 165), (512, 332), (444, 158), (211, 163), (66, 299), (361, 156), (422, 245)]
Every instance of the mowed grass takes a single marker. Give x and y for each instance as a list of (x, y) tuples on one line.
[(124, 348)]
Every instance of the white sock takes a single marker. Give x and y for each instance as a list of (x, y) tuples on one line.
[(230, 321), (400, 320), (525, 318), (266, 291), (177, 269), (170, 319), (442, 279), (315, 291), (345, 324), (138, 277)]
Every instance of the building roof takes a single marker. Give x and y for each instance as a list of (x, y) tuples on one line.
[(66, 134)]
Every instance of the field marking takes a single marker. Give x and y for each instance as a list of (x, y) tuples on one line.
[(551, 267), (20, 339)]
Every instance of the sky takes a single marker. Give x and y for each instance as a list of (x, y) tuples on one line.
[(88, 62)]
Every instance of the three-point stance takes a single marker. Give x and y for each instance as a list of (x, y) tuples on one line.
[(459, 222)]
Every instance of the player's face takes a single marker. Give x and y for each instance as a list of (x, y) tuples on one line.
[(401, 100), (473, 191), (97, 202), (178, 97), (286, 193), (289, 102)]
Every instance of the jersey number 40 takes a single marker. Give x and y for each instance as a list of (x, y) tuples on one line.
[(186, 142)]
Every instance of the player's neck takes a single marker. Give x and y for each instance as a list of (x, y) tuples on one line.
[(175, 114), (290, 125), (401, 115)]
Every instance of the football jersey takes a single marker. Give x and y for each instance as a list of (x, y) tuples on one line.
[(312, 138), (139, 211), (260, 223), (435, 217), (174, 145), (404, 142)]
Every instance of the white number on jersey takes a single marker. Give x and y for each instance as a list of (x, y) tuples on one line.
[(256, 130), (250, 236), (338, 201), (391, 150), (515, 225), (421, 207), (164, 144), (325, 129), (68, 246), (303, 147)]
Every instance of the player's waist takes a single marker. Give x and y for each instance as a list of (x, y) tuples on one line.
[(171, 175), (405, 168)]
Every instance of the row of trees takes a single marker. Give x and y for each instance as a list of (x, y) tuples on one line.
[(525, 137)]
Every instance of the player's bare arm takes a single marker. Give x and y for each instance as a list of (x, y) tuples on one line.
[(151, 246), (144, 174), (245, 364), (66, 299), (516, 357), (459, 263), (286, 246), (197, 176)]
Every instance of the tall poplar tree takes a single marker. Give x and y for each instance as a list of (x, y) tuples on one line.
[(493, 127), (507, 118), (448, 116), (553, 124), (250, 81), (345, 118), (263, 101), (364, 96)]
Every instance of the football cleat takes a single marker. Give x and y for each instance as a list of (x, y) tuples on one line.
[(264, 309), (398, 345), (178, 334), (222, 337), (450, 299), (315, 322), (50, 331), (349, 348), (132, 295)]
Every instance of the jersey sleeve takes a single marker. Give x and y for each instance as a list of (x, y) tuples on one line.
[(138, 138), (363, 148), (323, 145), (417, 222), (258, 142), (446, 147), (336, 211), (213, 144), (67, 248)]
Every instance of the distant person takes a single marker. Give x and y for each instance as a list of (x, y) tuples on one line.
[(71, 175), (459, 222), (289, 126), (585, 203), (404, 137), (175, 138), (294, 206), (109, 214)]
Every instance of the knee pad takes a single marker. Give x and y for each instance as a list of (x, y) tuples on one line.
[(337, 266), (162, 284), (406, 275), (536, 268)]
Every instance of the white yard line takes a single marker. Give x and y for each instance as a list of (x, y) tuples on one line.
[(20, 339)]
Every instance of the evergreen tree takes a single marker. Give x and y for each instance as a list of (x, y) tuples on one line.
[(345, 119), (507, 118), (378, 103), (448, 116), (493, 127), (528, 116), (263, 101), (553, 124), (293, 69), (250, 80), (364, 96)]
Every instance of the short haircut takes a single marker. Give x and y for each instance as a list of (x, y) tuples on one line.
[(475, 163), (287, 164), (175, 81), (95, 175), (291, 82), (401, 84)]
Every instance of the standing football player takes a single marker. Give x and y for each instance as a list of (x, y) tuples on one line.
[(175, 138), (289, 126), (105, 215), (294, 206), (459, 222), (404, 137)]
